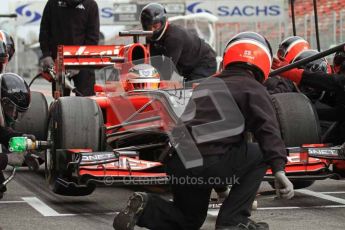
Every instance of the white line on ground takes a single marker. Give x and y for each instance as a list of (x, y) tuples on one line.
[(215, 212), (12, 202), (303, 207), (322, 196), (333, 192), (42, 208)]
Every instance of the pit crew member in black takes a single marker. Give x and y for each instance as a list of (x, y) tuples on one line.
[(226, 157), (15, 98), (70, 22), (332, 84), (192, 56)]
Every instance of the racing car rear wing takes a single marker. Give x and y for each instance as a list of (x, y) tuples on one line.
[(88, 56), (99, 56)]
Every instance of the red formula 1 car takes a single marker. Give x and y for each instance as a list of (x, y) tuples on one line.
[(119, 135)]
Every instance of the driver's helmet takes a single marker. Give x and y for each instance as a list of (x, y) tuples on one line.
[(15, 95), (142, 76), (291, 47), (339, 62), (151, 14)]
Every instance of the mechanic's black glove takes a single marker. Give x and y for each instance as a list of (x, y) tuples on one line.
[(30, 160), (46, 63), (283, 186), (30, 136), (72, 72)]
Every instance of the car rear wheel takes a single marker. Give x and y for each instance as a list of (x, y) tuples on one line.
[(75, 123), (299, 123)]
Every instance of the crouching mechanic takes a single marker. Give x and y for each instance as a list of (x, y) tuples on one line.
[(15, 99), (192, 56), (246, 64)]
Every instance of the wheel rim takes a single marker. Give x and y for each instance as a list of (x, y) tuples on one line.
[(49, 156)]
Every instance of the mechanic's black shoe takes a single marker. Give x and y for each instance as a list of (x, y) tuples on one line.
[(251, 225), (127, 218)]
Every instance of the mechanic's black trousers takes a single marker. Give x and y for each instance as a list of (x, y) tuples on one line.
[(242, 167)]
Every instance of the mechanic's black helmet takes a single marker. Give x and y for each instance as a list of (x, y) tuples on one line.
[(15, 92), (8, 40), (339, 62), (151, 14), (319, 65)]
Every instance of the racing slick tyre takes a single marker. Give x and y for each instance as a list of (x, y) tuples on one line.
[(75, 123), (299, 123), (35, 119)]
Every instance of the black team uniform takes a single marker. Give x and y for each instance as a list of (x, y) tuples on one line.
[(192, 56), (66, 24)]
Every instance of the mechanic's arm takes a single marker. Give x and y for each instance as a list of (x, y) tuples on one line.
[(261, 120), (6, 134), (45, 30), (173, 47), (319, 80), (324, 81), (93, 27)]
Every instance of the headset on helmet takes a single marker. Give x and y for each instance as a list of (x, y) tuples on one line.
[(339, 62), (319, 65), (252, 50), (142, 76), (8, 40), (291, 47), (151, 14), (15, 94)]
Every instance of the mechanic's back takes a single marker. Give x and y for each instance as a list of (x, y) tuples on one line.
[(193, 57)]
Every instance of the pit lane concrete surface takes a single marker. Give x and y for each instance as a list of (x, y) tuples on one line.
[(29, 204)]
